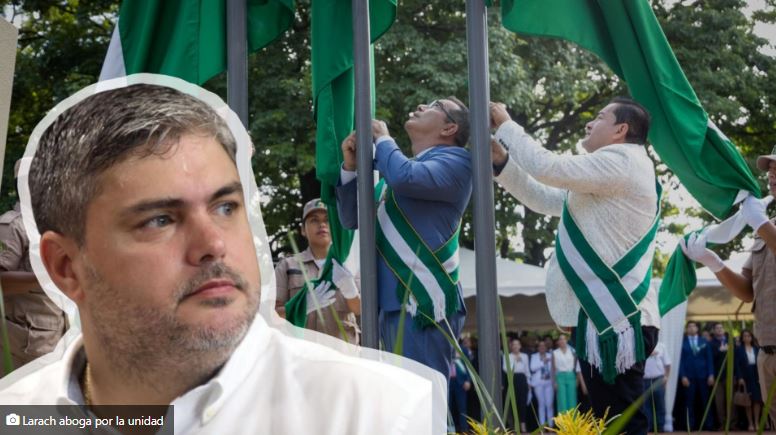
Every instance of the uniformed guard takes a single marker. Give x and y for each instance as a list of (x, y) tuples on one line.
[(292, 272), (35, 323)]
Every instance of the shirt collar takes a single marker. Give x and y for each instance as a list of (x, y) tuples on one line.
[(212, 395), (425, 151), (69, 387), (201, 403)]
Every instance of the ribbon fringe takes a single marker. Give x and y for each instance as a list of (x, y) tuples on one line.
[(615, 351)]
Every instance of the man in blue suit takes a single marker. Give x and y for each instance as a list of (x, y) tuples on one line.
[(420, 204), (696, 371)]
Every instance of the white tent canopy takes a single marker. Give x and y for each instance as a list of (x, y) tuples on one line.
[(520, 289), (513, 278)]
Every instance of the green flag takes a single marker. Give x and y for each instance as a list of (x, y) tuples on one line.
[(186, 38), (626, 35), (334, 102)]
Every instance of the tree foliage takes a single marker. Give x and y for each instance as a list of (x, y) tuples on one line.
[(551, 87), (60, 50)]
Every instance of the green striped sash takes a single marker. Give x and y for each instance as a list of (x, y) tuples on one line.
[(609, 326), (430, 277)]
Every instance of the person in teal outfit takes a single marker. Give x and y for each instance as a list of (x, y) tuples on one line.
[(564, 363)]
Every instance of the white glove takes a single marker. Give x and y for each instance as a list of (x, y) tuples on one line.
[(695, 249), (753, 211), (344, 281), (320, 297)]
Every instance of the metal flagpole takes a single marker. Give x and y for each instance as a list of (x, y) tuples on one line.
[(484, 220), (237, 59), (366, 204)]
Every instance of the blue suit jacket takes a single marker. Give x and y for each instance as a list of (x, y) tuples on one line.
[(432, 191), (696, 365)]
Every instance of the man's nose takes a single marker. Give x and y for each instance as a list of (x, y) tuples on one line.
[(206, 239)]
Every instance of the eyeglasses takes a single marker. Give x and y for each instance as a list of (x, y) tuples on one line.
[(437, 103)]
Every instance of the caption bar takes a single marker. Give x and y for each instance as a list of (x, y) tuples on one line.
[(69, 419)]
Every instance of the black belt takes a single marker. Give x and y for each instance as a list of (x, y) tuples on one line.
[(770, 350)]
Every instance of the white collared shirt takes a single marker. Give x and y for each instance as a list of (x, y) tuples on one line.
[(564, 361), (655, 366), (518, 363), (611, 195), (272, 384)]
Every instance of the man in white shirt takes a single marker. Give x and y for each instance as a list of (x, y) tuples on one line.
[(608, 201), (142, 219), (656, 371)]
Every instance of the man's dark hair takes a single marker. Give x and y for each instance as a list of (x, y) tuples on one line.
[(101, 131), (698, 326), (460, 115), (635, 115)]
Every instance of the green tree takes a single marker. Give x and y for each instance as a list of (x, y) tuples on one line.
[(551, 87), (731, 72), (60, 50)]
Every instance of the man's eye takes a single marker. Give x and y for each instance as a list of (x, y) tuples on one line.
[(157, 222), (227, 208)]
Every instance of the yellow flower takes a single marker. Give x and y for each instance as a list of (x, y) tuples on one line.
[(573, 422)]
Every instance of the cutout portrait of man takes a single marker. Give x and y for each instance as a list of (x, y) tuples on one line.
[(142, 210)]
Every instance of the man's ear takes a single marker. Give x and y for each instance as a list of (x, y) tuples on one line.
[(449, 130), (59, 255), (621, 132)]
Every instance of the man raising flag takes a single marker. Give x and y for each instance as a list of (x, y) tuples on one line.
[(598, 280), (627, 37)]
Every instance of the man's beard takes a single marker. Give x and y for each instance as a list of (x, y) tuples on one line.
[(140, 340)]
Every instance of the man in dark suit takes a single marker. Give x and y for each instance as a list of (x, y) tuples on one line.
[(420, 204), (696, 371), (719, 347)]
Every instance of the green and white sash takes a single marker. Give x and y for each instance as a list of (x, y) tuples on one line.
[(609, 326), (430, 277)]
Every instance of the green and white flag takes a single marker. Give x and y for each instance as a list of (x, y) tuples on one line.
[(334, 102), (186, 38), (627, 36)]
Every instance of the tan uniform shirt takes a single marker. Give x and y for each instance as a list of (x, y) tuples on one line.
[(290, 278), (35, 323), (762, 263)]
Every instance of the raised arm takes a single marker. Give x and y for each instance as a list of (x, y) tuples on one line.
[(739, 284), (442, 176), (534, 195), (346, 190), (603, 171)]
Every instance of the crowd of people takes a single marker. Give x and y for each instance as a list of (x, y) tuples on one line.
[(546, 380), (544, 375), (702, 369)]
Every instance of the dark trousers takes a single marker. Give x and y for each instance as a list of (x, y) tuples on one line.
[(655, 403), (457, 405), (698, 389), (626, 389), (520, 383), (428, 345)]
